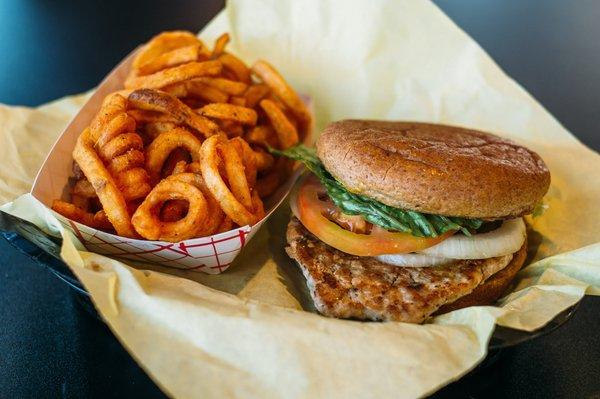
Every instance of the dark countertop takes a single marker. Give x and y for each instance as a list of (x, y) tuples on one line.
[(50, 347)]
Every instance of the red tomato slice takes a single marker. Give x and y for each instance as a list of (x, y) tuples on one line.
[(311, 210)]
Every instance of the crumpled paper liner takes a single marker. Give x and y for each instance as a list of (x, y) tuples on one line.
[(243, 333)]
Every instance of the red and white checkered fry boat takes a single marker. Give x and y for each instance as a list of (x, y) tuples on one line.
[(211, 254)]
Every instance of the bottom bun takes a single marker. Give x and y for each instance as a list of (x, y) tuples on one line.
[(363, 288)]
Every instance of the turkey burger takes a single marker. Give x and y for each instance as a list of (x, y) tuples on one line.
[(401, 220)]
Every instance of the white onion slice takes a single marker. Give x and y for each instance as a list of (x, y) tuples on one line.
[(505, 240), (413, 260)]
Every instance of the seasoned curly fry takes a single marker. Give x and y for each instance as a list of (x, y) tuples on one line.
[(171, 58), (235, 66), (119, 146), (151, 130), (262, 135), (280, 87), (234, 168), (173, 75), (243, 115), (263, 159), (176, 162), (226, 225), (180, 167), (162, 43), (286, 131), (111, 121), (196, 88), (143, 116), (248, 157), (231, 128), (234, 207), (162, 146), (236, 100), (153, 100), (106, 188), (149, 226), (182, 147), (125, 162), (255, 93), (96, 220), (215, 214), (228, 86), (220, 44)]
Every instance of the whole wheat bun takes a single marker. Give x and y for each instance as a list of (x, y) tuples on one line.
[(437, 169)]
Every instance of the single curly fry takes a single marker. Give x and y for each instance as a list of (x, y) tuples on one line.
[(104, 184), (232, 206), (235, 66), (163, 43), (286, 132), (175, 74), (215, 213), (229, 112), (282, 89), (146, 220), (159, 150), (154, 100)]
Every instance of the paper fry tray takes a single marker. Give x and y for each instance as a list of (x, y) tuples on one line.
[(211, 254)]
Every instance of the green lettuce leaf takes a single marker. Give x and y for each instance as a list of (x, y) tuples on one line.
[(390, 218)]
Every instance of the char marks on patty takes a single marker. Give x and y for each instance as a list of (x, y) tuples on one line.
[(347, 286)]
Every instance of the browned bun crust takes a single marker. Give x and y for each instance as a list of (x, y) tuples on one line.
[(493, 288), (437, 169)]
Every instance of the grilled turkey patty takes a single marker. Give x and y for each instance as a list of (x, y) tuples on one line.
[(348, 286)]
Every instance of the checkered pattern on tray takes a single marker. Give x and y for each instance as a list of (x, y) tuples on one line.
[(211, 255)]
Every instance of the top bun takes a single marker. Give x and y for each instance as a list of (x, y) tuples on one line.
[(437, 169)]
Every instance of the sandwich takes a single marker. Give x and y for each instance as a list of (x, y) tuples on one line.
[(401, 221)]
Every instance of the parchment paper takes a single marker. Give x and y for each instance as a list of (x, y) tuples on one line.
[(244, 333)]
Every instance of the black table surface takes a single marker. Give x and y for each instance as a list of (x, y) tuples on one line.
[(50, 347)]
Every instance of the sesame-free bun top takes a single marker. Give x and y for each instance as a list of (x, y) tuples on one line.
[(437, 169)]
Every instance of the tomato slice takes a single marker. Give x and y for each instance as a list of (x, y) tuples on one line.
[(308, 205)]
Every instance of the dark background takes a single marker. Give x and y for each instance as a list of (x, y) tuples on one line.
[(50, 347)]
